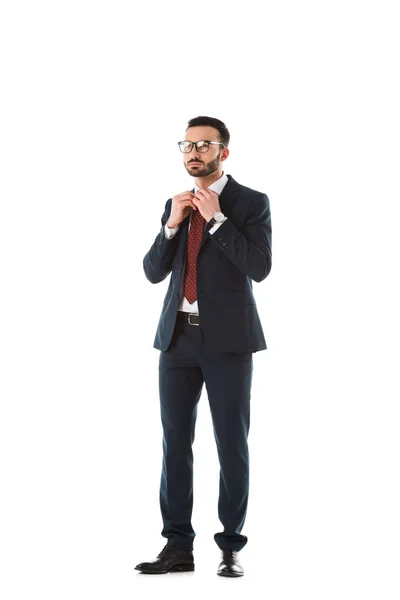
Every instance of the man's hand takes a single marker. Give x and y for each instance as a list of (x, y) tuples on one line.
[(180, 208), (207, 202)]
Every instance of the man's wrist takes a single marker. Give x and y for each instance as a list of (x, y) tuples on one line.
[(217, 218), (172, 226)]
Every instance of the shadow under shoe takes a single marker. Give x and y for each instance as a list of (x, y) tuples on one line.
[(230, 565), (169, 560)]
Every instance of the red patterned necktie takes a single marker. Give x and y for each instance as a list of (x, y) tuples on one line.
[(194, 239)]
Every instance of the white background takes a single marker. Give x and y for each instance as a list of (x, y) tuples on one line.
[(94, 97)]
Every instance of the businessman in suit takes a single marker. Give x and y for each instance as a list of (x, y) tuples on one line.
[(215, 240)]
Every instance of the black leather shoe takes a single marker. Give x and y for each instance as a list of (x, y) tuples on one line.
[(169, 560), (230, 565)]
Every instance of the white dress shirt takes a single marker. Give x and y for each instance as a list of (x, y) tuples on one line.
[(216, 186)]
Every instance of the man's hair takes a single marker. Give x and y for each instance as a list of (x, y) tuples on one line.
[(211, 122)]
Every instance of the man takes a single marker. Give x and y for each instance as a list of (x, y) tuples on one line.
[(214, 240)]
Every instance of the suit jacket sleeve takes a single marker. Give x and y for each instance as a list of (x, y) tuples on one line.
[(157, 263), (249, 249)]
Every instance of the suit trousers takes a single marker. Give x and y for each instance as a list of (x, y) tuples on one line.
[(183, 369)]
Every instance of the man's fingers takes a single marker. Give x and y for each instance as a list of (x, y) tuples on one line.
[(186, 202), (186, 195)]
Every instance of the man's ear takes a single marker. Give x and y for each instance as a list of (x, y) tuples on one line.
[(225, 154)]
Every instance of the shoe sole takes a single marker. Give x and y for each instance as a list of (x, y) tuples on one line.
[(175, 569), (231, 574)]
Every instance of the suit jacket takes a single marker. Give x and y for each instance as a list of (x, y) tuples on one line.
[(228, 261)]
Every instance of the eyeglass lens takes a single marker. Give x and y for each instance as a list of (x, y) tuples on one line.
[(202, 146)]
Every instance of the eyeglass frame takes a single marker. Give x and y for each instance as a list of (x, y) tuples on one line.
[(195, 144)]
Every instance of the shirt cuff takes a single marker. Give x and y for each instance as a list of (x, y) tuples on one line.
[(169, 233), (215, 227)]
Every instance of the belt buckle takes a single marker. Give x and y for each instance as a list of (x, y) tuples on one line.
[(190, 323)]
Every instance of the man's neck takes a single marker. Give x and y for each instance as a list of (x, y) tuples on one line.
[(204, 182)]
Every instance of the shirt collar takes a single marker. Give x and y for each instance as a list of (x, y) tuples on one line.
[(216, 186)]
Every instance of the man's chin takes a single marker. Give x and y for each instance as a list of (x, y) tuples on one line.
[(196, 171)]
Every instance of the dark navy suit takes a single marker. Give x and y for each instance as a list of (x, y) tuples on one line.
[(218, 353)]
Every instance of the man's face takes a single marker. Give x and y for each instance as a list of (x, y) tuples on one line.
[(209, 161)]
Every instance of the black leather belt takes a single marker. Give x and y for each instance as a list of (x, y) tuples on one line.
[(191, 318)]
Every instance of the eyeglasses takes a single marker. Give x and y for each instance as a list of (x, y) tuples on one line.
[(201, 146)]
